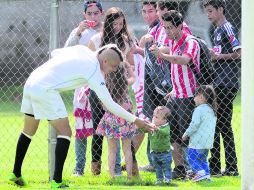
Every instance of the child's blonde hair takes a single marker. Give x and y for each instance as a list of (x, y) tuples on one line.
[(163, 111)]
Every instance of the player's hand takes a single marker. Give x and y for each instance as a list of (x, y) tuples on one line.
[(145, 125)]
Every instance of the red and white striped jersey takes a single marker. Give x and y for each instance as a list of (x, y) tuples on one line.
[(160, 36), (183, 78)]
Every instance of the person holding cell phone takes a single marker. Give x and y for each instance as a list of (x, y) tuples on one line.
[(87, 28), (92, 24)]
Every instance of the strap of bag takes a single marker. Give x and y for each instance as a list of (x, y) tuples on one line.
[(191, 65)]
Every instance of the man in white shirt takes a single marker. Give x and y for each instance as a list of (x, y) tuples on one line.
[(68, 69), (92, 24)]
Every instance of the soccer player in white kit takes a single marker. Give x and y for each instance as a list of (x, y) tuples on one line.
[(68, 69)]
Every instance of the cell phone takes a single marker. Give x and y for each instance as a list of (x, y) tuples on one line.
[(91, 23)]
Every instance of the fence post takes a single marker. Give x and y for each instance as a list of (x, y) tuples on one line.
[(53, 43), (247, 95)]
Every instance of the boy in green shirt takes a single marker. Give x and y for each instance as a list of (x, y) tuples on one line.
[(161, 146)]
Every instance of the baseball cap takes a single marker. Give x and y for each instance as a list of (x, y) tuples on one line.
[(90, 3)]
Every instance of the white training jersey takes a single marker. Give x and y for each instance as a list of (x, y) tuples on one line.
[(74, 67)]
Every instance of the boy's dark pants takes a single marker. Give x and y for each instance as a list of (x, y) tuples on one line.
[(225, 98)]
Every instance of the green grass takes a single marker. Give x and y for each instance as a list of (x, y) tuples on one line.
[(35, 167)]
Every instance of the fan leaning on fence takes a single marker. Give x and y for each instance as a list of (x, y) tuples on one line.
[(68, 69)]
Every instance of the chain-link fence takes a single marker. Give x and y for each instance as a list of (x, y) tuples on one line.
[(24, 46)]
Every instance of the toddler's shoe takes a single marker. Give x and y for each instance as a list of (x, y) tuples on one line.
[(189, 175), (158, 182), (77, 174), (167, 181), (201, 175)]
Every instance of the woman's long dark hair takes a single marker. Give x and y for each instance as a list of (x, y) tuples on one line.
[(108, 35), (209, 94), (117, 84)]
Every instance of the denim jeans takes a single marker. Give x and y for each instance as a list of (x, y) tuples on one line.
[(118, 169), (225, 98), (198, 160), (80, 151), (186, 160), (162, 163), (148, 153)]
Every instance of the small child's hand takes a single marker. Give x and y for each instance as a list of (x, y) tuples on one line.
[(156, 128), (153, 127), (184, 137)]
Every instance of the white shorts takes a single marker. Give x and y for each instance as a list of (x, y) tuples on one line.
[(42, 103)]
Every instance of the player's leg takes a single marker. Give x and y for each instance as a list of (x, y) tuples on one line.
[(30, 128), (62, 146)]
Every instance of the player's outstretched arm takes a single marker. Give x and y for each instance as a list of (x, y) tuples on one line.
[(145, 125)]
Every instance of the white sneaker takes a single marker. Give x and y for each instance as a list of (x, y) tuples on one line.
[(158, 182), (77, 174), (200, 175), (167, 181)]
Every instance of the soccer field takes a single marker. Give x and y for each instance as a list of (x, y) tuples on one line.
[(35, 167)]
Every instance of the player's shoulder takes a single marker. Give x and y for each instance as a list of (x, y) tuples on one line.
[(155, 29), (190, 39), (227, 24), (227, 28)]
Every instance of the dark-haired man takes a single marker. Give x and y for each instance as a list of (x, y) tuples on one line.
[(152, 98), (184, 51)]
